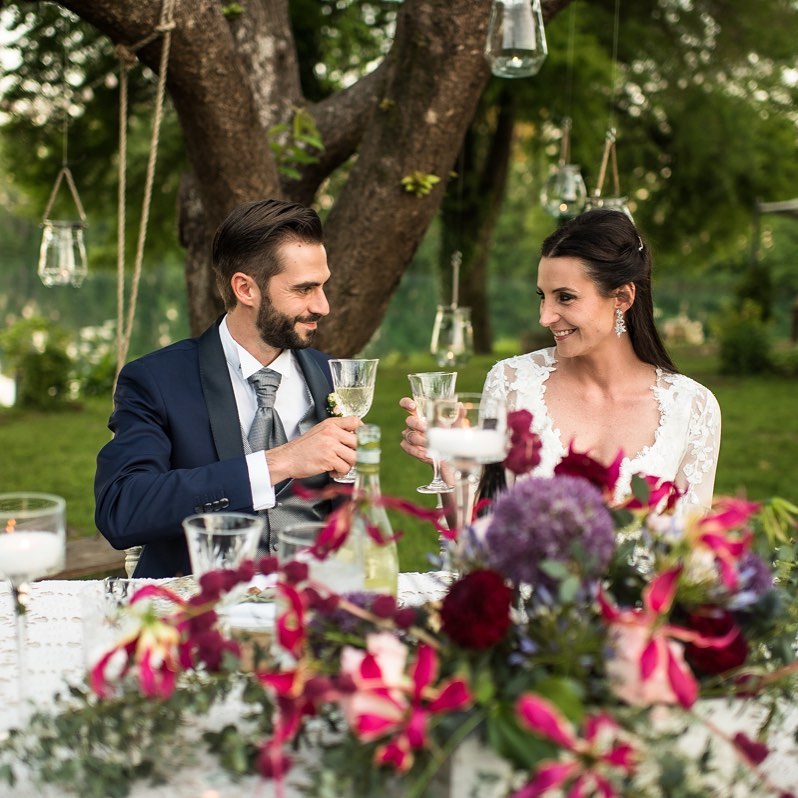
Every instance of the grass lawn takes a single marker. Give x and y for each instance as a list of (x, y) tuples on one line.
[(55, 452)]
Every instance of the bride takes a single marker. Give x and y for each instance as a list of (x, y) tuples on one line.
[(608, 382)]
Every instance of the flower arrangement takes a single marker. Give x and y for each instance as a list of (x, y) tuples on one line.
[(576, 647)]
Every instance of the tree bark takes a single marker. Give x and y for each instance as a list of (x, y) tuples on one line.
[(230, 81)]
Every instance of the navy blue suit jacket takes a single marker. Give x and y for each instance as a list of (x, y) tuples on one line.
[(177, 448)]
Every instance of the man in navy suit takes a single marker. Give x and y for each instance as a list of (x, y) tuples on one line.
[(182, 414)]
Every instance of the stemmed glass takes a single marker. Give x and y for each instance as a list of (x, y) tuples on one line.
[(468, 431), (353, 382), (32, 545), (426, 387)]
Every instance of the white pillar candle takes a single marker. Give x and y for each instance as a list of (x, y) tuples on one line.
[(27, 555), (483, 445)]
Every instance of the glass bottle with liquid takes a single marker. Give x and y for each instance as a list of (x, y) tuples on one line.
[(381, 560)]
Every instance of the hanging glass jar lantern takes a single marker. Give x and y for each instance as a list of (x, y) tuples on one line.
[(614, 202), (62, 255), (516, 45), (564, 193), (452, 341)]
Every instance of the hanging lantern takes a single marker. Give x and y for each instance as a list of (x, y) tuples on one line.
[(564, 193), (62, 255), (615, 202), (516, 45), (452, 341)]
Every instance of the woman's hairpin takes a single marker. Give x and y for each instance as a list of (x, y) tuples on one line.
[(640, 248)]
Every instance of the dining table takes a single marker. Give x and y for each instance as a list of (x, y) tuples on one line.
[(61, 623)]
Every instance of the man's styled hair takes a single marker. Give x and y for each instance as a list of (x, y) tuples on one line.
[(248, 241)]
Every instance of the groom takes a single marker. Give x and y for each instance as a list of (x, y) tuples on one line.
[(203, 426)]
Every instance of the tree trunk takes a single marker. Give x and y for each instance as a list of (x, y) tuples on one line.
[(471, 209), (230, 81)]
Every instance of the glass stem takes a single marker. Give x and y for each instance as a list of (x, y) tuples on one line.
[(20, 595), (465, 487)]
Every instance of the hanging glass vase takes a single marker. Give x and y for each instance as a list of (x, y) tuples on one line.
[(564, 193), (452, 341), (62, 255), (615, 202), (516, 45)]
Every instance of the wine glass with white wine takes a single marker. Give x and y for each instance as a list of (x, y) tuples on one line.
[(353, 381), (426, 387)]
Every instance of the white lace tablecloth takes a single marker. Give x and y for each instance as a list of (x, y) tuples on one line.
[(56, 655)]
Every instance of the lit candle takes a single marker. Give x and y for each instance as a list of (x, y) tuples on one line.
[(474, 443), (27, 555)]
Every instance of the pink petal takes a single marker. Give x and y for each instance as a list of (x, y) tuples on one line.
[(416, 729), (156, 591), (396, 753), (371, 727), (542, 717), (454, 695), (424, 670), (754, 752), (608, 610), (682, 681), (649, 659), (658, 595), (547, 776), (621, 756)]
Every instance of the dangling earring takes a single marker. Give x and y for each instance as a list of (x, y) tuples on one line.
[(620, 324)]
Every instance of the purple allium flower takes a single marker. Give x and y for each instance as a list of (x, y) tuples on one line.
[(755, 576), (562, 518)]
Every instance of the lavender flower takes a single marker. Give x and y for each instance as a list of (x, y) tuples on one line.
[(561, 519)]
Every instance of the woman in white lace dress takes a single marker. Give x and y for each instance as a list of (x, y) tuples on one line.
[(608, 382)]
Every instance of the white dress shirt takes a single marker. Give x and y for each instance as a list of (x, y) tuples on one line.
[(292, 403)]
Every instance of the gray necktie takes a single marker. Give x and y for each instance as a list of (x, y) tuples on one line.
[(267, 430)]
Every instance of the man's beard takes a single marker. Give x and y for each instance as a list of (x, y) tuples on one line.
[(278, 330)]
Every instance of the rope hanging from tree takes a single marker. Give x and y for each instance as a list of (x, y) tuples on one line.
[(127, 60)]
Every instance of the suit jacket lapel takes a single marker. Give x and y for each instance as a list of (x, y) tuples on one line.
[(317, 381), (219, 396)]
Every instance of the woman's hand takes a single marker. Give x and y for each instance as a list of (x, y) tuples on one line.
[(414, 436)]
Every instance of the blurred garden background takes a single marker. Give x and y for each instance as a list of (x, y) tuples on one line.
[(701, 96)]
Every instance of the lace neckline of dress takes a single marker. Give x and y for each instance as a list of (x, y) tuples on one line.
[(656, 388)]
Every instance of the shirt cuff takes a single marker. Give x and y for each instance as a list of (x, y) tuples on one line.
[(260, 481)]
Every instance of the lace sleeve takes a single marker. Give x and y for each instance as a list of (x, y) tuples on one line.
[(700, 458)]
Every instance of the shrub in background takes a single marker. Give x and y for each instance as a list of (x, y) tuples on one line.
[(745, 345), (35, 354)]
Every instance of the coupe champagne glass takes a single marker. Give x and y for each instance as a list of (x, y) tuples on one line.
[(353, 382), (32, 545), (426, 387), (467, 430)]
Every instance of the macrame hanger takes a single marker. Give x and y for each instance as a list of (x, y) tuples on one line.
[(127, 59)]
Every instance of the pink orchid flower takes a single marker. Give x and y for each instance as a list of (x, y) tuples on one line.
[(290, 623), (599, 751), (646, 647), (154, 644), (386, 702), (712, 531)]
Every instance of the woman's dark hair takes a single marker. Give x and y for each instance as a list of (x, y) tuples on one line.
[(614, 254), (249, 238)]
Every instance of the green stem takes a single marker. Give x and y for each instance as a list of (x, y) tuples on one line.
[(437, 761)]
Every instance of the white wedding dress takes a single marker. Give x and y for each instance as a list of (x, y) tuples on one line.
[(686, 442)]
